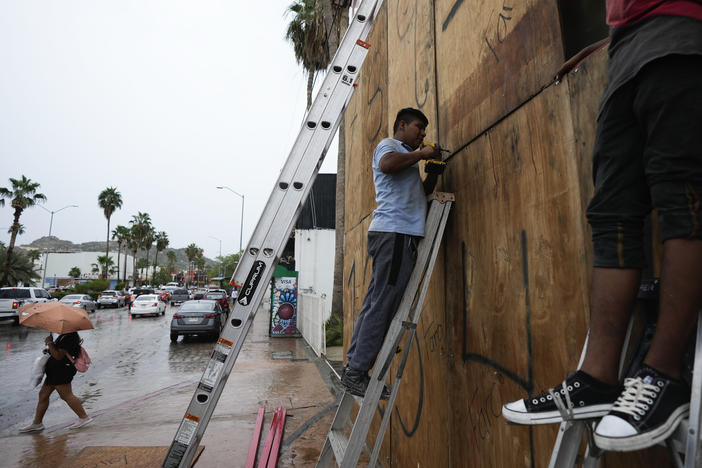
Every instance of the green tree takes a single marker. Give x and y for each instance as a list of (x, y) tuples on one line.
[(22, 195), (171, 259), (162, 277), (141, 228), (18, 270), (20, 229), (161, 239), (191, 252), (147, 243), (34, 255), (74, 272), (308, 37), (105, 264), (133, 246), (109, 200), (121, 234)]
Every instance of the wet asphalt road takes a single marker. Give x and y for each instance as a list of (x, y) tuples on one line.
[(131, 357)]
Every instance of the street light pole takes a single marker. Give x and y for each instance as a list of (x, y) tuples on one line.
[(51, 223), (220, 254), (241, 230)]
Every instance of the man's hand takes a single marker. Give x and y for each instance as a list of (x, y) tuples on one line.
[(429, 152), (578, 58), (48, 340)]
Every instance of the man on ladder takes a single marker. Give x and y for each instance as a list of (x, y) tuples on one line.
[(648, 153), (397, 226)]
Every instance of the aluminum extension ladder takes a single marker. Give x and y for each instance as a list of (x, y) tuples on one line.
[(346, 451), (685, 440), (258, 261)]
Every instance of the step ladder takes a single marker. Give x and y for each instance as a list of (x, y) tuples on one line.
[(258, 261), (684, 444), (346, 451)]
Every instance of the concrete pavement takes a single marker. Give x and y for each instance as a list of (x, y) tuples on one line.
[(269, 371)]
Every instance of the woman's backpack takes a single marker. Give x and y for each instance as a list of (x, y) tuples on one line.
[(82, 362)]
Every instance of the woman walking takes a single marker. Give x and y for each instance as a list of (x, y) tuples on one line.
[(59, 374)]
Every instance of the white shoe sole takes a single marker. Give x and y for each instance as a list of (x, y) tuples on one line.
[(646, 439), (36, 429), (550, 417)]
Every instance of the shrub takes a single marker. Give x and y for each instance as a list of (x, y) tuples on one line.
[(334, 331), (92, 288)]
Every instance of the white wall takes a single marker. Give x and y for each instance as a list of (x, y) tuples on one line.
[(60, 263), (314, 260)]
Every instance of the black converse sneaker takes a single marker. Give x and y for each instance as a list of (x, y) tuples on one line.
[(646, 413), (356, 383), (579, 397)]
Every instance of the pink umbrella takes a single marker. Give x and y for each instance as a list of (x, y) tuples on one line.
[(54, 317)]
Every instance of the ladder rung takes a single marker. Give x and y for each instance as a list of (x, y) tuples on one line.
[(339, 442)]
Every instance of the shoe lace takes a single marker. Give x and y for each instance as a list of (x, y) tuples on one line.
[(636, 397), (566, 409)]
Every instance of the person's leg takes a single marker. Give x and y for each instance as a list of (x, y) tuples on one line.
[(616, 214), (367, 300), (43, 404), (66, 393), (680, 300), (394, 256), (668, 104), (612, 299)]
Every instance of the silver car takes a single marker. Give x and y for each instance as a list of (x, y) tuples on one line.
[(80, 300), (110, 298)]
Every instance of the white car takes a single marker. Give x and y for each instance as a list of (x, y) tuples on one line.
[(148, 304)]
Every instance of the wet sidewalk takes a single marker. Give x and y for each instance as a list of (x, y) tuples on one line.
[(269, 371)]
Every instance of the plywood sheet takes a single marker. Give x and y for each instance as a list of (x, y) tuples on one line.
[(412, 74), (491, 57), (516, 296)]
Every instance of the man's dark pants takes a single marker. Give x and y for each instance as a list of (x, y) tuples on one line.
[(394, 256), (648, 153)]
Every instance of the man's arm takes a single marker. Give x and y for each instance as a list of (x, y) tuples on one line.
[(396, 161)]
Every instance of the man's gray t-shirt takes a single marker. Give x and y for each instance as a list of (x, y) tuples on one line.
[(400, 196)]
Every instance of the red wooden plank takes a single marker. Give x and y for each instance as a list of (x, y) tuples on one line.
[(273, 459), (253, 448), (263, 460)]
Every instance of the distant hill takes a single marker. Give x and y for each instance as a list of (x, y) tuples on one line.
[(54, 244)]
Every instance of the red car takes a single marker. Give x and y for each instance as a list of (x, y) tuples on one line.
[(220, 297)]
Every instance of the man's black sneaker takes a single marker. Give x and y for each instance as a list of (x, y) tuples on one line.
[(356, 383), (647, 412), (579, 397)]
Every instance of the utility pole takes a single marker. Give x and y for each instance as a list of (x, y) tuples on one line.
[(51, 223)]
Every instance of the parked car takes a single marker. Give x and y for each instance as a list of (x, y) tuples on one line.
[(179, 296), (148, 304), (197, 318), (80, 300), (110, 298), (12, 299), (219, 296)]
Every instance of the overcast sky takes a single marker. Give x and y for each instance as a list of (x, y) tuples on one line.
[(164, 100)]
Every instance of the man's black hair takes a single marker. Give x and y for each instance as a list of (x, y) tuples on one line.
[(409, 115)]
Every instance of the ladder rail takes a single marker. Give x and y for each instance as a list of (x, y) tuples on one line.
[(270, 236), (342, 73), (692, 446)]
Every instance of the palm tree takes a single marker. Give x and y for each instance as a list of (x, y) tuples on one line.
[(121, 233), (74, 272), (147, 243), (191, 252), (20, 229), (171, 259), (109, 200), (133, 246), (141, 225), (161, 239), (23, 194), (18, 270), (308, 37)]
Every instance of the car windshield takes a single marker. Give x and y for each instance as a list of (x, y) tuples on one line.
[(109, 293), (14, 293), (72, 297), (180, 292), (196, 307), (146, 298), (215, 296)]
